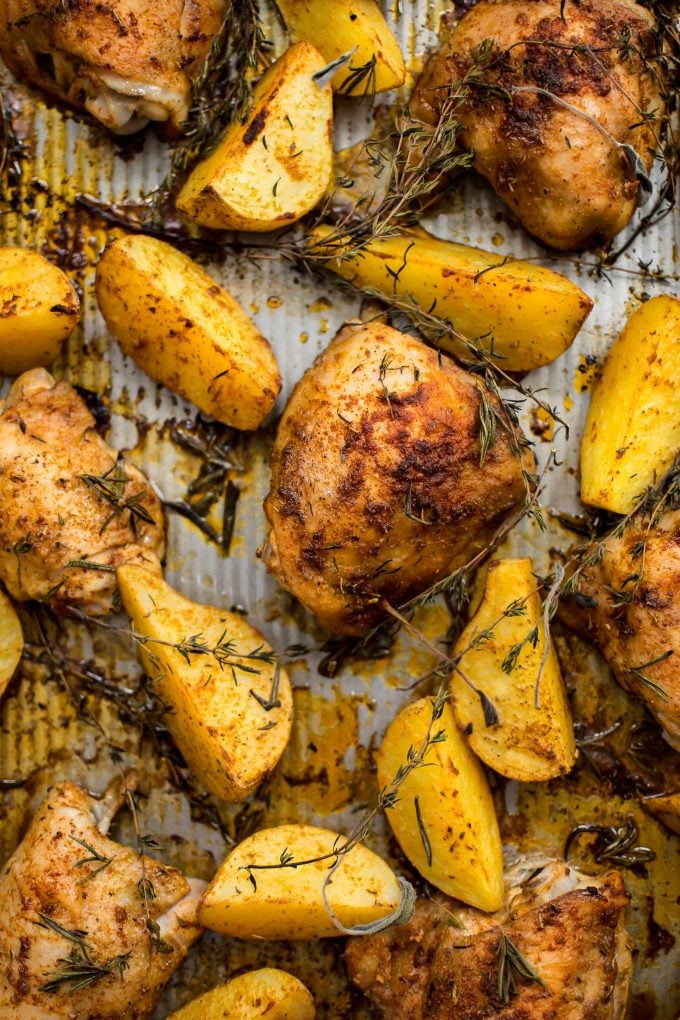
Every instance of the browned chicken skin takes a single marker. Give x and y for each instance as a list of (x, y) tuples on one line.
[(126, 61), (567, 181), (51, 518), (628, 604), (445, 963), (44, 882), (377, 490)]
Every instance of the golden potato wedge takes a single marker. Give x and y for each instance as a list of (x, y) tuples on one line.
[(444, 818), (186, 331), (338, 26), (665, 808), (632, 431), (231, 704), (286, 902), (272, 169), (39, 309), (523, 315), (268, 993), (11, 641), (527, 743)]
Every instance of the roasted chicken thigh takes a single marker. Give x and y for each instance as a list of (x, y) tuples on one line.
[(126, 62), (379, 487), (568, 927), (549, 93), (71, 509), (627, 602), (75, 939)]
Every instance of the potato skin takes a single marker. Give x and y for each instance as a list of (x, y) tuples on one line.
[(380, 434), (455, 805), (39, 309), (186, 331), (276, 166), (269, 993), (11, 641), (288, 903), (218, 725), (632, 432), (336, 28), (533, 313), (527, 743)]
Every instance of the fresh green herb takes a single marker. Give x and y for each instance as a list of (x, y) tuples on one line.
[(95, 857), (513, 967), (427, 846), (110, 487)]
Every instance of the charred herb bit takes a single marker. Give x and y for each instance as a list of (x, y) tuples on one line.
[(615, 843), (362, 75), (513, 966), (110, 487), (12, 150), (273, 700), (95, 857), (408, 509)]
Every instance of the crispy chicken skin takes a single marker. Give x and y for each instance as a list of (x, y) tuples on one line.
[(126, 61), (377, 490), (50, 516), (568, 183), (628, 604), (569, 927), (44, 877)]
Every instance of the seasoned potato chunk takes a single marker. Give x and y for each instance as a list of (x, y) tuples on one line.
[(444, 818), (287, 902), (520, 313), (186, 331), (231, 703), (11, 641), (338, 26), (527, 742), (633, 429), (39, 308), (272, 169), (268, 993)]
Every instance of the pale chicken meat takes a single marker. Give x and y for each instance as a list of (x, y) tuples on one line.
[(71, 508), (126, 62), (379, 487), (548, 92), (73, 913), (627, 602), (569, 928)]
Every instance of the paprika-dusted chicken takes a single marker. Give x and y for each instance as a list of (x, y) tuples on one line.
[(77, 909), (71, 509), (568, 927), (563, 171), (379, 487), (627, 602), (126, 61)]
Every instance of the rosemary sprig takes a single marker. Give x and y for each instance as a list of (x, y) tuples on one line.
[(78, 970), (513, 966), (639, 673), (95, 857), (110, 487), (615, 843)]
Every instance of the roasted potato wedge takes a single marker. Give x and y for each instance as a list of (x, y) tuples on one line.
[(521, 314), (231, 704), (286, 902), (186, 331), (665, 808), (39, 309), (11, 641), (632, 433), (268, 993), (444, 818), (527, 743), (338, 26), (272, 169)]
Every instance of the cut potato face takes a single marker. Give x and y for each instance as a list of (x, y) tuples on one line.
[(340, 26), (272, 169), (39, 309), (186, 331), (268, 993), (532, 313), (666, 808), (444, 818), (527, 743), (287, 902), (11, 641), (632, 433), (231, 704)]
